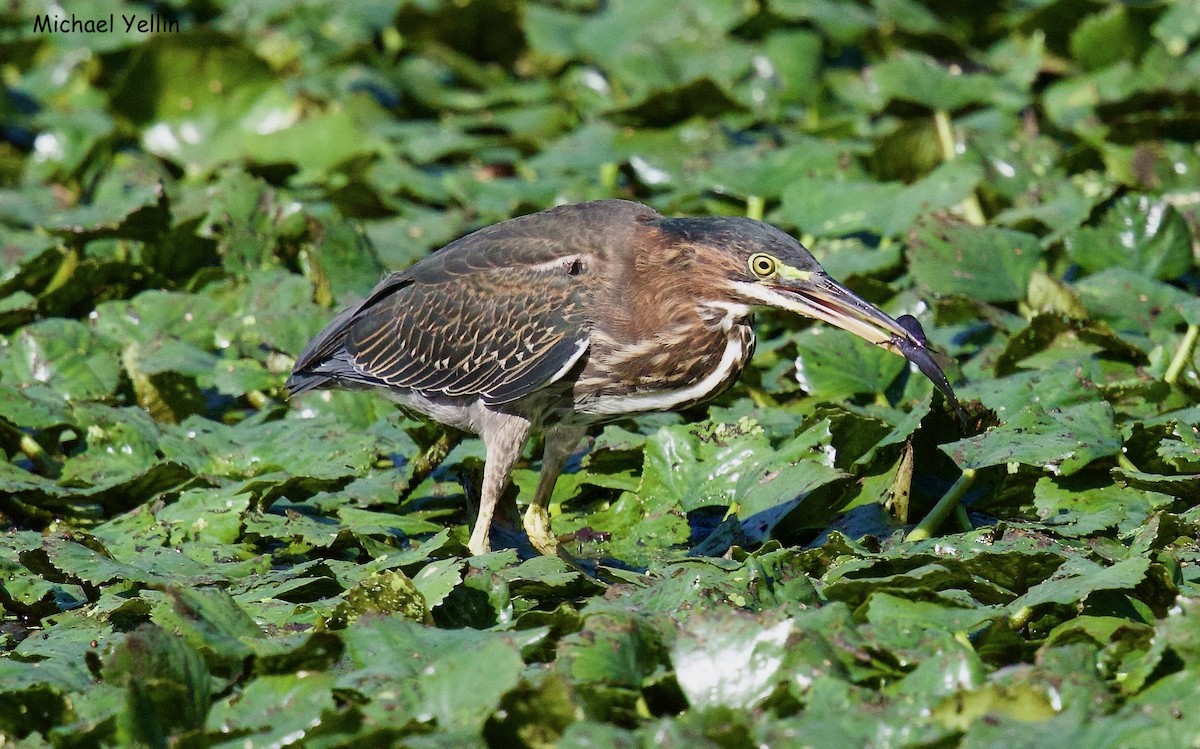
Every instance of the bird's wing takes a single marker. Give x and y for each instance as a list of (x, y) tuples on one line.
[(496, 317), (496, 314), (499, 324)]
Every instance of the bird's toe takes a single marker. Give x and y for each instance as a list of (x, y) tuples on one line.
[(537, 526)]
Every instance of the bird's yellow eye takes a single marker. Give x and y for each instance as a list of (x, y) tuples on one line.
[(762, 264)]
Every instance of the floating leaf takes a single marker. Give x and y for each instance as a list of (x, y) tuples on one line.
[(1073, 585), (424, 671), (167, 685), (835, 365), (1060, 441), (1131, 301), (921, 80), (1139, 233), (826, 207), (275, 709), (390, 592), (1104, 38), (65, 355), (991, 264), (730, 661)]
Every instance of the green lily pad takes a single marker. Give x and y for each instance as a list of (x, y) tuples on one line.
[(65, 355), (698, 469), (164, 679), (1102, 39), (274, 709), (33, 407), (1060, 441), (316, 450), (991, 264), (1138, 233), (1073, 585), (830, 208), (1131, 301), (1082, 509), (422, 671), (390, 592), (921, 80), (730, 661), (834, 365)]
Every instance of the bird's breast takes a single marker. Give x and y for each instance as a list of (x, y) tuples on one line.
[(672, 370)]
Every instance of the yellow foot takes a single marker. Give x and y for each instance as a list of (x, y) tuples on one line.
[(537, 527)]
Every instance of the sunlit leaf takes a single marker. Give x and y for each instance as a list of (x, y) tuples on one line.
[(986, 263), (1139, 234), (1060, 441)]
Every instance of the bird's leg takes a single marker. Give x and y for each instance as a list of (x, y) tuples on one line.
[(503, 436), (560, 443)]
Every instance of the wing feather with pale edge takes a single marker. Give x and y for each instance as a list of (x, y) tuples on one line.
[(470, 329)]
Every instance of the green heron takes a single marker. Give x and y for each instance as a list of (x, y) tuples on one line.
[(574, 316)]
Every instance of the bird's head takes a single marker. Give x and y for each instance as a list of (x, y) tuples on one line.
[(753, 263)]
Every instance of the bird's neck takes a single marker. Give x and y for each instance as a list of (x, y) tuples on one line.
[(722, 315)]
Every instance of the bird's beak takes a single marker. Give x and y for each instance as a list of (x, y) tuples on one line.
[(817, 295)]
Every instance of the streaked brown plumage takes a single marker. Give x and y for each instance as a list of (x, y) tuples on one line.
[(576, 315)]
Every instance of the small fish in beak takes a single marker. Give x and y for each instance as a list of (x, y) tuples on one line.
[(913, 348)]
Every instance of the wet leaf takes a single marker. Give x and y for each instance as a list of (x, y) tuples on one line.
[(730, 662), (1075, 584), (166, 681), (424, 670), (835, 365), (382, 593), (65, 355), (994, 265), (273, 709), (1138, 233), (1060, 441), (831, 208), (918, 79)]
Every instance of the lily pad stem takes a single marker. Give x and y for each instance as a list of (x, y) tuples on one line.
[(1021, 618), (760, 398), (1182, 354), (755, 207), (972, 210), (945, 133), (963, 519), (259, 399), (315, 272), (609, 171), (30, 448), (34, 451), (943, 509), (63, 273), (1126, 463)]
